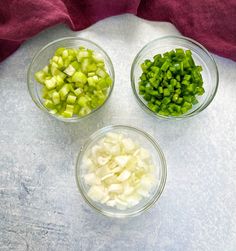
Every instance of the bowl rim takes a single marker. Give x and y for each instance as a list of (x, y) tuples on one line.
[(163, 167), (45, 47), (183, 116)]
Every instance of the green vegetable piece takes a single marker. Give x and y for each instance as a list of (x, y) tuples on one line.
[(76, 65), (101, 73), (108, 80), (82, 101), (67, 114), (79, 77), (92, 81), (78, 91), (71, 99), (51, 83), (70, 70), (40, 76), (56, 97), (165, 66), (166, 92), (59, 51), (84, 111), (49, 104), (64, 91)]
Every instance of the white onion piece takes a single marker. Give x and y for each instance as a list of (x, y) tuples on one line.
[(115, 188), (122, 160), (97, 193), (91, 179), (120, 173), (103, 160), (124, 175)]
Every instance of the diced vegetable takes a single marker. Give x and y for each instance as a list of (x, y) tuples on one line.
[(171, 82), (118, 172), (75, 82)]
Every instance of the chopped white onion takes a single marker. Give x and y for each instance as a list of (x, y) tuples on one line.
[(120, 173)]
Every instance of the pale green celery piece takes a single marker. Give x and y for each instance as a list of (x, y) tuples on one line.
[(102, 84), (67, 114), (59, 80), (66, 62), (91, 67), (85, 65), (97, 57), (84, 111), (79, 77), (40, 76), (71, 52), (59, 51), (71, 99), (53, 68), (101, 64), (65, 54), (91, 81), (55, 59), (79, 85), (51, 83), (108, 80), (70, 108), (91, 74), (49, 104), (45, 93), (60, 62), (70, 70), (56, 98), (101, 100), (78, 91), (82, 54), (46, 69), (64, 91), (50, 93), (54, 111), (94, 102), (82, 101), (69, 80), (57, 72), (76, 109), (71, 58), (101, 73), (76, 65)]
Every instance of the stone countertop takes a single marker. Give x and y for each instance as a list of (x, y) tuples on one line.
[(40, 206)]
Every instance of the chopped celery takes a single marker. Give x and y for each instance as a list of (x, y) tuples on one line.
[(64, 91), (71, 99), (51, 83), (79, 77), (40, 76), (75, 82), (56, 98), (70, 70), (78, 91)]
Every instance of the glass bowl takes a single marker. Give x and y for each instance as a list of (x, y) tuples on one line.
[(201, 57), (41, 59), (158, 159)]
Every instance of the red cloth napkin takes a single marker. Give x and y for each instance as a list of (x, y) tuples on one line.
[(210, 22)]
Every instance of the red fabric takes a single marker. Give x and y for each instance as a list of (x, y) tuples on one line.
[(210, 22)]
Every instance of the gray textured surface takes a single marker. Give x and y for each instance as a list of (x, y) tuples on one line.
[(40, 206)]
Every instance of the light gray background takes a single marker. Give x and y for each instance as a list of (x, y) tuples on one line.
[(40, 206)]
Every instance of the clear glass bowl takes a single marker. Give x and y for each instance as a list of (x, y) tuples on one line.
[(41, 59), (145, 141), (201, 57)]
